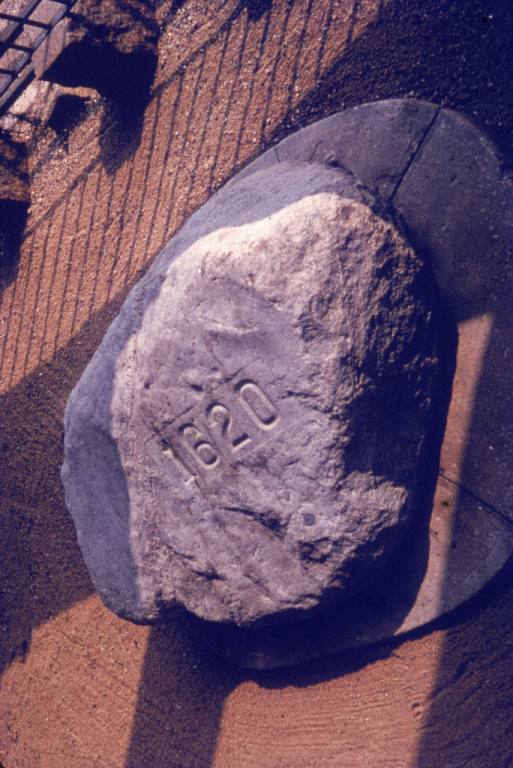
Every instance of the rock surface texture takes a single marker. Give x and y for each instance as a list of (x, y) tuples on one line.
[(249, 438)]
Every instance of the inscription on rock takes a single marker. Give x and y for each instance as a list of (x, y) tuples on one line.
[(248, 439), (214, 434)]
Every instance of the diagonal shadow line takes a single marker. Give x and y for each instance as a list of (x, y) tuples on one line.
[(184, 176), (52, 282), (274, 70), (507, 519), (153, 134), (52, 289), (324, 39), (352, 22), (213, 95), (85, 263), (49, 212), (163, 170), (228, 102), (124, 209), (299, 49), (101, 248), (297, 56), (178, 166), (68, 274), (256, 67), (22, 302)]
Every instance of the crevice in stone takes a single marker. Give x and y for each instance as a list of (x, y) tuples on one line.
[(486, 505), (414, 155)]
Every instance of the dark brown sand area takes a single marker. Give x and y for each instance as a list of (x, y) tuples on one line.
[(81, 688)]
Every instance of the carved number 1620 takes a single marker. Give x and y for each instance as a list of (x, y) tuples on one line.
[(219, 418)]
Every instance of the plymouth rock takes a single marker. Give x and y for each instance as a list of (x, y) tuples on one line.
[(249, 439)]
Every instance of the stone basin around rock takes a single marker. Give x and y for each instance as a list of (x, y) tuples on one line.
[(249, 438)]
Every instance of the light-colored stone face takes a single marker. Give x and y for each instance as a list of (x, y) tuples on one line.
[(249, 438)]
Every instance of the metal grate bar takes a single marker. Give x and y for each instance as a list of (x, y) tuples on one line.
[(15, 29), (16, 47), (18, 68), (29, 22)]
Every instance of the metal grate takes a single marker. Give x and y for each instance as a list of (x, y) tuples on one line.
[(23, 27)]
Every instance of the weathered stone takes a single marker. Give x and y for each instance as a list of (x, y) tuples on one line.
[(249, 438)]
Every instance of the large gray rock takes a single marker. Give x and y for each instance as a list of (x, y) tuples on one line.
[(249, 438)]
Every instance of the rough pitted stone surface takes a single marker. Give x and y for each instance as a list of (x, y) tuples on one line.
[(249, 437)]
